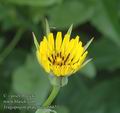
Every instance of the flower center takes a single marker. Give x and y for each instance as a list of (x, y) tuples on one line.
[(58, 60)]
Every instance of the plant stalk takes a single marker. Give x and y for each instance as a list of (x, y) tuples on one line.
[(52, 96)]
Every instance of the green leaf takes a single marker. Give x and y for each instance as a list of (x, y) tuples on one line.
[(12, 62), (73, 93), (106, 19), (89, 70), (71, 11), (105, 54), (102, 97), (62, 109), (31, 79), (45, 111), (6, 70), (34, 3)]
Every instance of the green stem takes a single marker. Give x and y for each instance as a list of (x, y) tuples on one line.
[(11, 46), (52, 96)]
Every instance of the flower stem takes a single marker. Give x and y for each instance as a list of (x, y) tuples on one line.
[(11, 46), (52, 96)]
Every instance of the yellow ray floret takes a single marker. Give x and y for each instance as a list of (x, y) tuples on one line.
[(62, 57)]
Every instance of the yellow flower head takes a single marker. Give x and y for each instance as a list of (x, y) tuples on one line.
[(61, 56)]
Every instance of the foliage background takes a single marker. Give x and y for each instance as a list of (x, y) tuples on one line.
[(96, 88)]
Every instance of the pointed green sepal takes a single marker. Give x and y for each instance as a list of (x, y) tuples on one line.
[(70, 29), (47, 27), (88, 44), (35, 41), (86, 62)]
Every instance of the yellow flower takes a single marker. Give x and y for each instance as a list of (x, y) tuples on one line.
[(61, 56)]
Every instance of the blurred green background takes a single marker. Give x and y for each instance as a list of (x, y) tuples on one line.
[(96, 88)]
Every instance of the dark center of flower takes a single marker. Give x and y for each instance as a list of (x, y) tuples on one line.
[(58, 59)]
